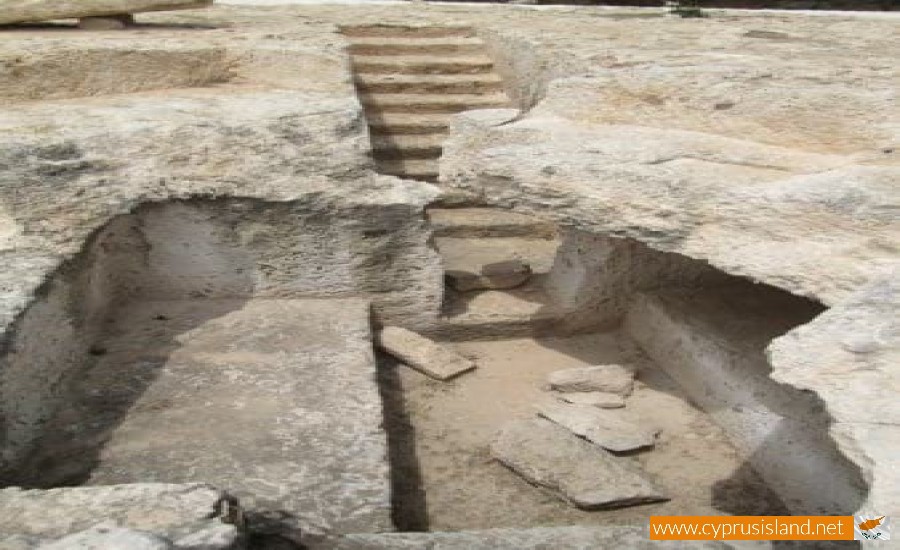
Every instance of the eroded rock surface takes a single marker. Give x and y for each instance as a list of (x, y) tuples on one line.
[(151, 512), (23, 11), (537, 538)]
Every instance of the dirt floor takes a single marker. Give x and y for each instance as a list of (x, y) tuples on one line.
[(445, 478)]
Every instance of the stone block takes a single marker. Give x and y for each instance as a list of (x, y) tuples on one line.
[(423, 354), (612, 430), (581, 473), (605, 378)]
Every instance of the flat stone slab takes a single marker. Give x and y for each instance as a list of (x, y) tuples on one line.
[(599, 399), (28, 11), (423, 354), (612, 430), (583, 474), (606, 378), (487, 222), (274, 401)]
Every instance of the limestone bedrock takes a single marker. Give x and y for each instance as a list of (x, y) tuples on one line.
[(25, 11), (715, 150), (773, 159), (170, 511)]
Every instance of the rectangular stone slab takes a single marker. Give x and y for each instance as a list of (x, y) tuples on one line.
[(272, 400), (423, 354), (26, 11), (612, 430), (577, 471)]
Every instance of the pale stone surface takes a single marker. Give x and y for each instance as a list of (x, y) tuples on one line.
[(608, 537), (165, 510), (713, 342), (423, 354), (212, 537), (23, 11), (579, 472), (616, 379), (108, 536), (613, 430), (495, 276), (599, 399), (848, 357), (19, 542)]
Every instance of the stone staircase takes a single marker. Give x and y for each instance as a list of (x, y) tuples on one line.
[(469, 239), (410, 81)]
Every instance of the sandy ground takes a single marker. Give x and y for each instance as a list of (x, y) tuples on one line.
[(445, 478)]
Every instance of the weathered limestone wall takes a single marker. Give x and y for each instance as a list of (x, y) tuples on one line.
[(712, 342), (595, 277), (30, 72), (51, 341), (526, 72), (240, 248)]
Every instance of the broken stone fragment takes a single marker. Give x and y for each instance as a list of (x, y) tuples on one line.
[(423, 354), (603, 400), (211, 537), (612, 430), (496, 276), (25, 11), (605, 378), (583, 474)]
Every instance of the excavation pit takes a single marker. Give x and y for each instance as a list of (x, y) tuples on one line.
[(199, 255), (731, 440), (192, 347)]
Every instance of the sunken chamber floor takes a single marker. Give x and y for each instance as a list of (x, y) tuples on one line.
[(274, 399)]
